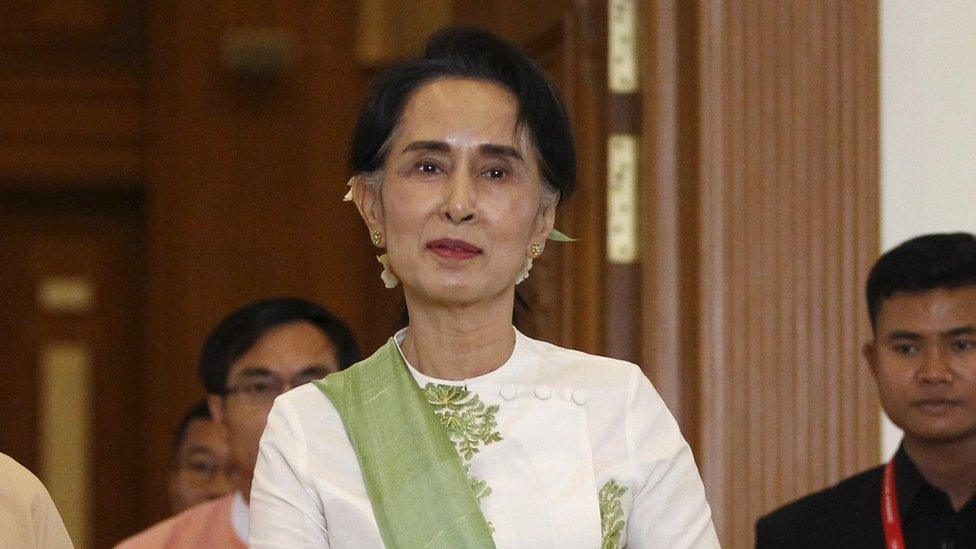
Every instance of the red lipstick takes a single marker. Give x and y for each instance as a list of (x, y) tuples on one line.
[(451, 248)]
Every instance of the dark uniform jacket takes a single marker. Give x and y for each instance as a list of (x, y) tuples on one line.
[(848, 515)]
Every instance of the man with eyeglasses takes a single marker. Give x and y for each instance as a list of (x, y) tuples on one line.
[(201, 460), (252, 356)]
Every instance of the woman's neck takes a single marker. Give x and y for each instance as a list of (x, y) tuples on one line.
[(459, 342), (949, 466)]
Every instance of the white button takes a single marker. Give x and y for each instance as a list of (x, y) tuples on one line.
[(543, 392), (579, 397), (509, 392)]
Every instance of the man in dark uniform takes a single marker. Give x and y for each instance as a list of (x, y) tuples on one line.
[(922, 303)]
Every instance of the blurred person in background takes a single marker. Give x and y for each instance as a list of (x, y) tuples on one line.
[(921, 299), (28, 517), (201, 460), (255, 354)]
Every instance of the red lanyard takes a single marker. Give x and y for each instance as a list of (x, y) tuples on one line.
[(890, 516)]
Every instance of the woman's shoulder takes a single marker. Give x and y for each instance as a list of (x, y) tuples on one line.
[(19, 483), (305, 404), (305, 420), (578, 367)]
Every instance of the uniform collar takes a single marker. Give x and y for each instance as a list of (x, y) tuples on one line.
[(908, 481), (240, 516)]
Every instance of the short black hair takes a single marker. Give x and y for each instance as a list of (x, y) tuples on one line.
[(200, 410), (466, 52), (236, 334), (927, 262)]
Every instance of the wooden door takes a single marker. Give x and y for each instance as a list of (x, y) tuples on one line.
[(70, 400)]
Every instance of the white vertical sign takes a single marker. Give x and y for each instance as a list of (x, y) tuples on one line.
[(622, 68), (622, 198)]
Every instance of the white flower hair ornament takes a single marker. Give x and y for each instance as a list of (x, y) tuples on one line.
[(390, 280), (524, 273)]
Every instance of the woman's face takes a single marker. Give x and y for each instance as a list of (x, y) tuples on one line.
[(460, 203)]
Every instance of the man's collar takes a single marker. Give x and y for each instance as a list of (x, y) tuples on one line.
[(908, 481)]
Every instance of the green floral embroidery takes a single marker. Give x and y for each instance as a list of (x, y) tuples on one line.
[(611, 514), (469, 423), (479, 487)]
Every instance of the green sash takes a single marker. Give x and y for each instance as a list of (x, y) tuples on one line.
[(419, 491)]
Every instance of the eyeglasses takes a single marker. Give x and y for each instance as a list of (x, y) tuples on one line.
[(200, 469), (263, 389)]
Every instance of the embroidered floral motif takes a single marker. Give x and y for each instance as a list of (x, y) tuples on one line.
[(469, 423), (479, 487), (611, 514)]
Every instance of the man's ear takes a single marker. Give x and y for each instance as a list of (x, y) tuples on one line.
[(368, 202), (870, 352)]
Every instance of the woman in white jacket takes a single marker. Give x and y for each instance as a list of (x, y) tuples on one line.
[(461, 431)]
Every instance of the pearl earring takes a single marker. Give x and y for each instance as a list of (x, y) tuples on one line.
[(536, 249), (376, 237)]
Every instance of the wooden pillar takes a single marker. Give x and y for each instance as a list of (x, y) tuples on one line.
[(760, 223)]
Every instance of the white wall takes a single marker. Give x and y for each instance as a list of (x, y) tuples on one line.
[(928, 125)]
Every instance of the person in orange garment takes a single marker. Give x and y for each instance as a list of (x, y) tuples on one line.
[(255, 354), (201, 460)]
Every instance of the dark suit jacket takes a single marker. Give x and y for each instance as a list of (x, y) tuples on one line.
[(842, 516), (848, 515)]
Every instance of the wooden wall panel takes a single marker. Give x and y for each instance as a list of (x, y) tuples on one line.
[(787, 214), (71, 93), (523, 21), (669, 299), (390, 30), (760, 222), (71, 131), (41, 34), (245, 180)]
